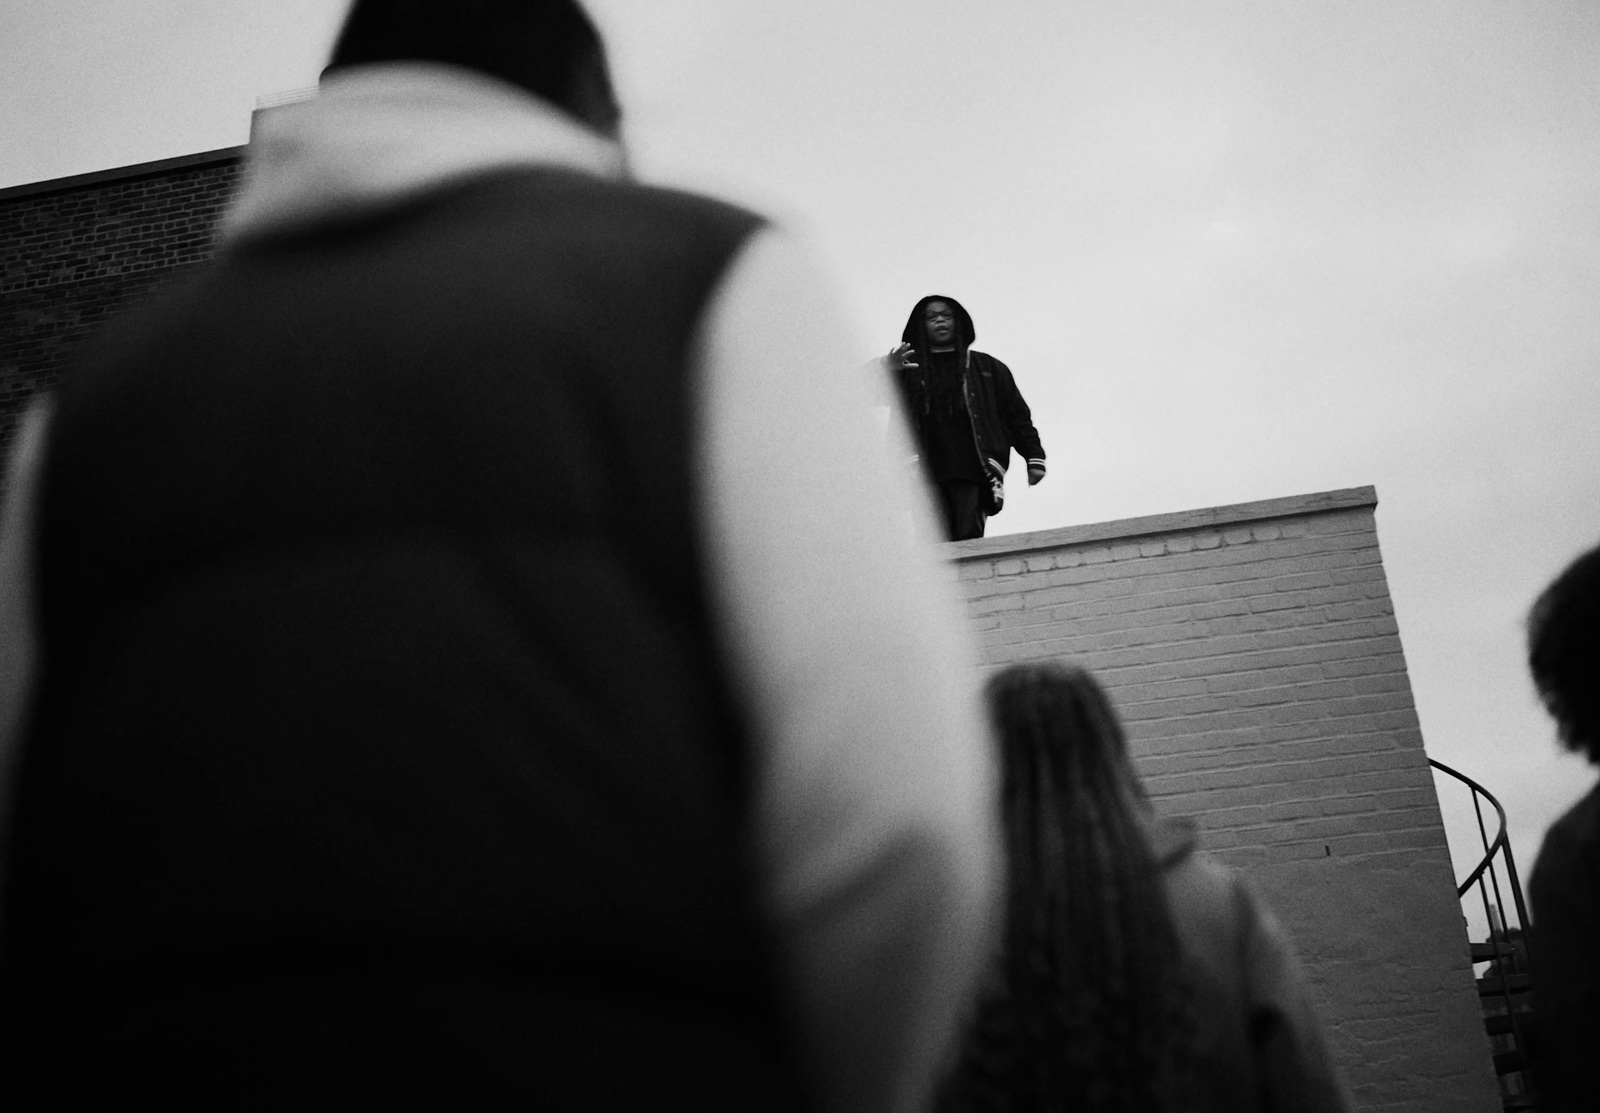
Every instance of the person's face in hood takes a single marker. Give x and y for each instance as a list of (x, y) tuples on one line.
[(940, 320)]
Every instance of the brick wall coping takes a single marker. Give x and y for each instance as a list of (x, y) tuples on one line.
[(121, 173), (1319, 503)]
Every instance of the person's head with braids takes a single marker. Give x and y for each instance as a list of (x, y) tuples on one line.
[(1088, 1007)]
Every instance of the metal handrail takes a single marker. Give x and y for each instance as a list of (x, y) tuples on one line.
[(1502, 840), (1501, 844), (1499, 839)]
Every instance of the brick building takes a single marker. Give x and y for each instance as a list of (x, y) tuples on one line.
[(1254, 655), (1252, 649), (73, 250)]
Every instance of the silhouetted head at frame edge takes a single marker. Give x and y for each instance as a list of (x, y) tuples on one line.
[(548, 47), (1564, 653)]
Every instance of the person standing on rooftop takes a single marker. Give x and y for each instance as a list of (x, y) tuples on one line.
[(965, 412)]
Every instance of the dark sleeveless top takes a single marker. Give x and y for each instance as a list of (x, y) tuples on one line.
[(382, 750)]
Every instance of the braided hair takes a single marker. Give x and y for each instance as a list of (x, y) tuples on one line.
[(936, 388), (1088, 1007), (940, 388)]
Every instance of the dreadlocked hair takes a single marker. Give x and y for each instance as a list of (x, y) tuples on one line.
[(1088, 1007), (941, 386), (937, 387)]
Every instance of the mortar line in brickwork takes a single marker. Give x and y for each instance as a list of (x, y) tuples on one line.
[(1355, 818), (1131, 546), (1370, 789), (1256, 811), (1406, 711), (1348, 855), (1153, 718), (1352, 779), (1338, 625), (1154, 648), (1352, 728), (1240, 555), (1253, 665), (1267, 684), (1150, 527), (1040, 601), (1325, 736), (1254, 748), (1186, 615), (1258, 828), (1153, 712), (1120, 580), (1362, 804), (1146, 755), (1365, 683), (1196, 791), (1394, 802)]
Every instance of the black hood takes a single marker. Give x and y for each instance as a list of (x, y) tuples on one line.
[(918, 339)]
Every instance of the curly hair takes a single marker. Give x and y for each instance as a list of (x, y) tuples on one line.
[(1564, 653), (1088, 1006)]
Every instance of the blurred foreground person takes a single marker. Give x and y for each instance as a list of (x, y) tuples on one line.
[(965, 413), (462, 665), (1564, 656), (1134, 973)]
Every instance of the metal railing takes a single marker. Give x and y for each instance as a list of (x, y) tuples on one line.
[(1507, 975)]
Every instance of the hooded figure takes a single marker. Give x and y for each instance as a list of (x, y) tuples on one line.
[(966, 412)]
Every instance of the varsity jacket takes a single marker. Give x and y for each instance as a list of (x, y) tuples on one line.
[(999, 415)]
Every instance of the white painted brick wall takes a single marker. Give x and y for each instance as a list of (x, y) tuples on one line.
[(1253, 653)]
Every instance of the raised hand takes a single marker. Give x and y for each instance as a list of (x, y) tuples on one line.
[(901, 359)]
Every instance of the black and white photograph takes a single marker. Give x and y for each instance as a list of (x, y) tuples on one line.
[(931, 556)]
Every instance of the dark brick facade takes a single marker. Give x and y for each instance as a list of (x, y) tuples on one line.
[(74, 250)]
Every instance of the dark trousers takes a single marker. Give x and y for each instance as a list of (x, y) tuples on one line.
[(964, 504)]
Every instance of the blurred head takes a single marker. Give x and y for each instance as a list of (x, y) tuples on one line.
[(1051, 716), (1564, 653), (547, 47), (1090, 1006)]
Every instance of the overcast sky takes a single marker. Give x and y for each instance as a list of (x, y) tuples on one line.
[(1231, 250)]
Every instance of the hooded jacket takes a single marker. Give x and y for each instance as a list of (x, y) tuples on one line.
[(1000, 417)]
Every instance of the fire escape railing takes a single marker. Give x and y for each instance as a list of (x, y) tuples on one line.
[(1507, 974)]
